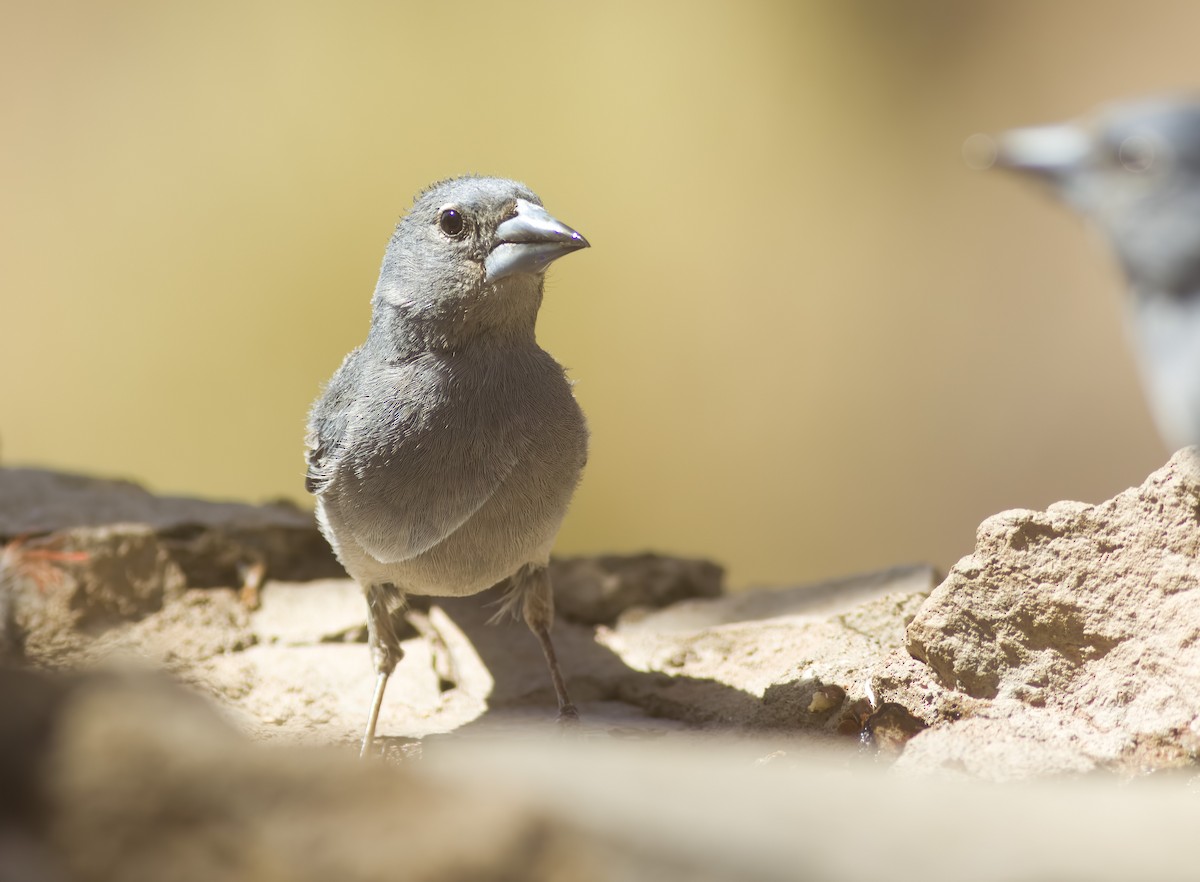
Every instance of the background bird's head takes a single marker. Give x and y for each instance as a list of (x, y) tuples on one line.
[(469, 258), (1134, 170)]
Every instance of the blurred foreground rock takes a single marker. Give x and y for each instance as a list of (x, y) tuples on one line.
[(132, 778)]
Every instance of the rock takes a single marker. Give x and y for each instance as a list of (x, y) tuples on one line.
[(117, 575), (85, 555), (297, 667), (212, 542), (125, 573), (132, 778), (749, 675), (755, 810), (595, 590), (320, 694), (296, 680), (1077, 632), (200, 624), (819, 600), (197, 625), (1067, 643), (1007, 741), (31, 704), (892, 726), (306, 613), (766, 675)]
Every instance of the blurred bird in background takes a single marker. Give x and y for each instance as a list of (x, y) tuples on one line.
[(1134, 171), (445, 450)]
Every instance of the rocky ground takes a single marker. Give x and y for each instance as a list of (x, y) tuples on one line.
[(828, 731)]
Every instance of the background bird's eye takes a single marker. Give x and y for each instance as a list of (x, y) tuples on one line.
[(451, 222), (1136, 153)]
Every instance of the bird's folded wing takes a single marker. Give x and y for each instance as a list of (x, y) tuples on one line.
[(398, 504), (402, 474), (328, 421)]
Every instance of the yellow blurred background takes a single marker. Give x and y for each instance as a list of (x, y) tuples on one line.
[(809, 340)]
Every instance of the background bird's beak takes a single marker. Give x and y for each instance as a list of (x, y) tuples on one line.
[(529, 242), (1046, 151)]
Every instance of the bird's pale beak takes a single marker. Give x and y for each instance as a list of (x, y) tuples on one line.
[(1046, 151), (530, 241)]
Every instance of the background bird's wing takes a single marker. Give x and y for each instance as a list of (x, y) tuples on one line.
[(409, 462)]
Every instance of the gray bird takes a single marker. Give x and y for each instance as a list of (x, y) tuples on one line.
[(1134, 171), (445, 450)]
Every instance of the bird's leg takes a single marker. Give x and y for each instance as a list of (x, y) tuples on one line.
[(383, 605), (539, 615)]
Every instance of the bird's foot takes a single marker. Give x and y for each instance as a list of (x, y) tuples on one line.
[(568, 716)]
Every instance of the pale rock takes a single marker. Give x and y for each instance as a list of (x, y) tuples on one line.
[(302, 613), (1088, 614)]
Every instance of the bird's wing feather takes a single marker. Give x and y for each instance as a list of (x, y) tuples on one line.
[(328, 421), (384, 457)]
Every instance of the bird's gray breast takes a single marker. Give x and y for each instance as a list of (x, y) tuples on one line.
[(457, 469)]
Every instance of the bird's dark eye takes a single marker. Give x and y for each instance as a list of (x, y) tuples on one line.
[(1137, 153), (451, 222)]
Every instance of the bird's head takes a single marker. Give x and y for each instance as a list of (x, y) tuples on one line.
[(468, 259), (1134, 170)]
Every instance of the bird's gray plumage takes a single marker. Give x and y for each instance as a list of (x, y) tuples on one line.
[(445, 449), (1134, 171)]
